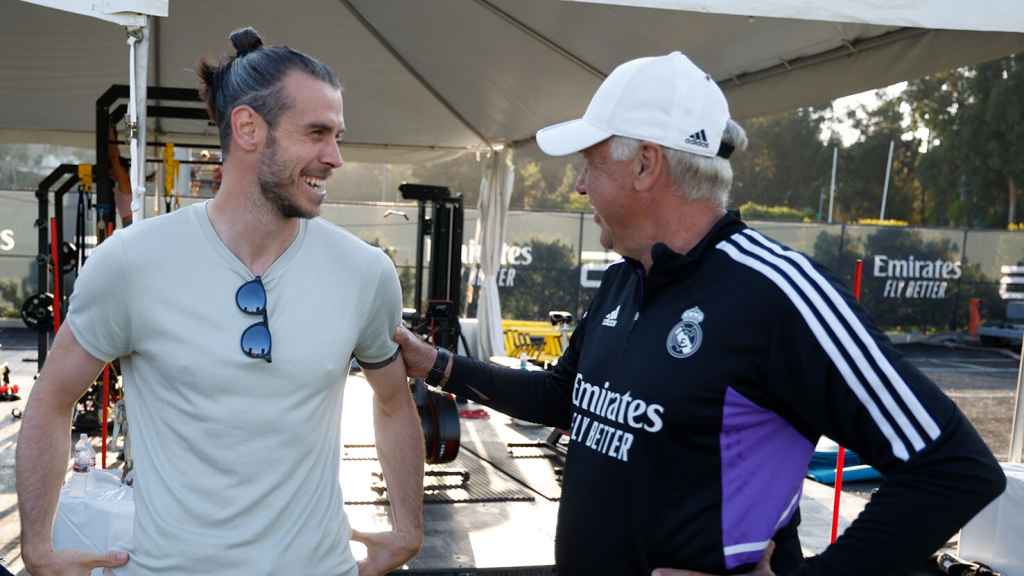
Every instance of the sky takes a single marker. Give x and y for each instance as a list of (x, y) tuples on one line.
[(852, 102)]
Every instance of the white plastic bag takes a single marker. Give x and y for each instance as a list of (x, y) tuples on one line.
[(100, 520), (993, 537)]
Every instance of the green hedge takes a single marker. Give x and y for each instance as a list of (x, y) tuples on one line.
[(754, 211)]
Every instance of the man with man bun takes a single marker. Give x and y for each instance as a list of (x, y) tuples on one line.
[(236, 320)]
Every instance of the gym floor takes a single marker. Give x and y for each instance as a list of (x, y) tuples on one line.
[(981, 381)]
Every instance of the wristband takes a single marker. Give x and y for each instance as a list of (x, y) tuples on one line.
[(436, 375)]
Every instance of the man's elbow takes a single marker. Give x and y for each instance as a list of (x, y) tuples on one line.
[(995, 480), (395, 403), (46, 403), (982, 482)]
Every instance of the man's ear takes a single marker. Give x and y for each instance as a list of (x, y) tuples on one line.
[(248, 130), (648, 165)]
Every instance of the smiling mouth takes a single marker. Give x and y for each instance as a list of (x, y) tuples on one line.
[(317, 184)]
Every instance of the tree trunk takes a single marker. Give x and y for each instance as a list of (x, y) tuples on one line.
[(1012, 216)]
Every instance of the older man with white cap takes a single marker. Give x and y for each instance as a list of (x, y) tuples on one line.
[(709, 364)]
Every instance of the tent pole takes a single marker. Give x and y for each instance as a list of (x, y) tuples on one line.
[(832, 187), (888, 170), (1017, 434), (138, 55)]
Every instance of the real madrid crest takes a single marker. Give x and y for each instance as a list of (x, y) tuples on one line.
[(685, 337)]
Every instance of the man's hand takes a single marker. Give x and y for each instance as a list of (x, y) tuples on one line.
[(764, 567), (385, 551), (419, 356), (73, 563)]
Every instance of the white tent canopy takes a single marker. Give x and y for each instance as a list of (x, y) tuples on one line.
[(997, 15), (123, 12), (429, 79)]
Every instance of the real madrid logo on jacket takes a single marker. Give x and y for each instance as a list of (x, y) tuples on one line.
[(685, 337)]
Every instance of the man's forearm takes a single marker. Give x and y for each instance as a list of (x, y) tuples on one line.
[(537, 396), (41, 463), (401, 452)]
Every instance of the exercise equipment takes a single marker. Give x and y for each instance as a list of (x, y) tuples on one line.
[(76, 258), (53, 258), (439, 420), (440, 318), (8, 391), (37, 312), (953, 565), (57, 257), (171, 168), (68, 258), (439, 322)]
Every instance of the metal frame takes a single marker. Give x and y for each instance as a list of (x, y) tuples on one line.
[(65, 177), (43, 225), (106, 116)]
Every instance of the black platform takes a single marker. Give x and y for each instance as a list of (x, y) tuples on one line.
[(491, 511)]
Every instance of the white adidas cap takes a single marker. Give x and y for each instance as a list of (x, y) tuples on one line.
[(665, 99)]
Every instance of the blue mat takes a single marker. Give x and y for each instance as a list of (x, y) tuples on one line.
[(822, 468)]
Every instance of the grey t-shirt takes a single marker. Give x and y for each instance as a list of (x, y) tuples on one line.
[(236, 459)]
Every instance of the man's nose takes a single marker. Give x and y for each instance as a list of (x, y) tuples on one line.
[(332, 156), (580, 189)]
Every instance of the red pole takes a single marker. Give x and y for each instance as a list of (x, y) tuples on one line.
[(106, 414), (858, 275), (106, 385), (54, 253)]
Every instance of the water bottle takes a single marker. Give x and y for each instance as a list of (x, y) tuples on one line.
[(85, 456), (522, 361), (85, 459)]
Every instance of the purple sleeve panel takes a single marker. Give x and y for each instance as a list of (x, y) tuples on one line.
[(764, 460)]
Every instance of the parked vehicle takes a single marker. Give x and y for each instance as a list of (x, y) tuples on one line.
[(1008, 331)]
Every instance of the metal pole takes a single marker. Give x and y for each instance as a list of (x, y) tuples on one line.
[(959, 285), (888, 169), (421, 229), (832, 187), (1017, 434), (138, 55), (579, 263)]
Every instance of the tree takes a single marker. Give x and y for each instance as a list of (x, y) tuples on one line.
[(556, 191), (974, 166), (786, 163), (462, 175), (862, 166), (835, 252), (22, 166), (406, 274)]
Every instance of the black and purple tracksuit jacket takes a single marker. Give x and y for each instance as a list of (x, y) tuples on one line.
[(694, 395)]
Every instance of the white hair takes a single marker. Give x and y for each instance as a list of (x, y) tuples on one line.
[(698, 177)]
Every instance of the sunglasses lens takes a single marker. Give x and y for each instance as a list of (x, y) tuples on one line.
[(251, 297), (256, 341)]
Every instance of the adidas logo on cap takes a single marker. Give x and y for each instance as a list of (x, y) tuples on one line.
[(698, 138)]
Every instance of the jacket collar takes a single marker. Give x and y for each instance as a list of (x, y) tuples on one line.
[(668, 263)]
